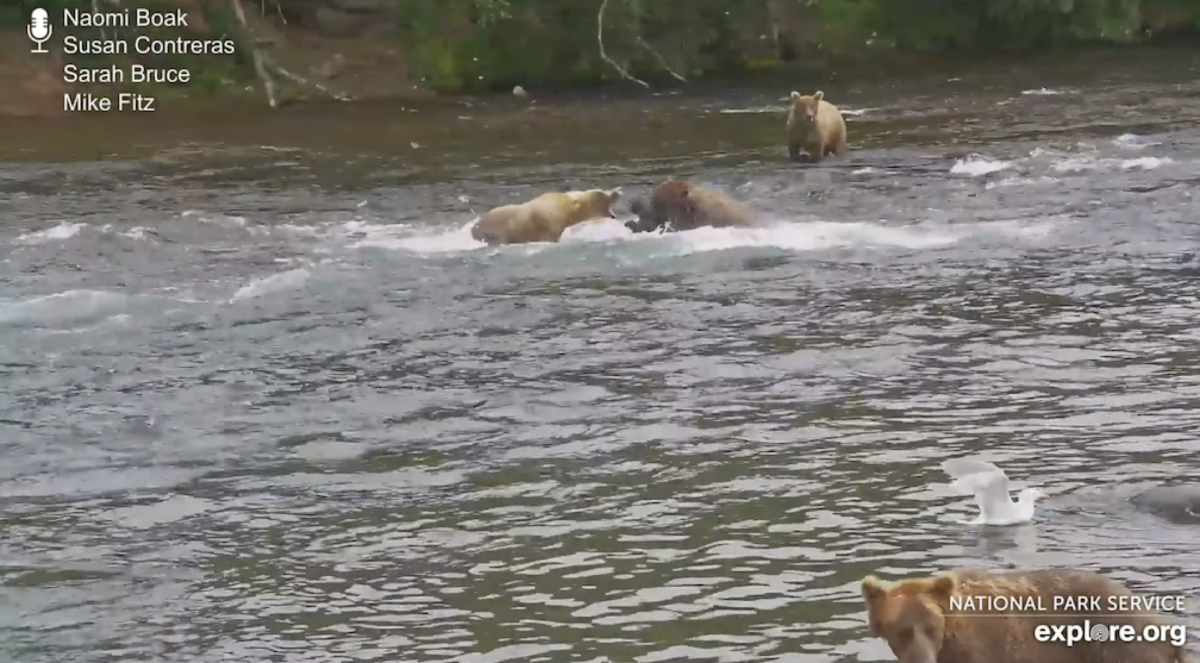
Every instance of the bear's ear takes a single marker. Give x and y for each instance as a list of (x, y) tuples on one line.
[(943, 586), (614, 194), (818, 96), (873, 589), (796, 97)]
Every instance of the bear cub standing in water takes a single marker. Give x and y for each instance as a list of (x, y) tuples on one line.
[(545, 218), (921, 625), (676, 205), (816, 126)]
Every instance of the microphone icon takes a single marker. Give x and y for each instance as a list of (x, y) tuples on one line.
[(39, 29)]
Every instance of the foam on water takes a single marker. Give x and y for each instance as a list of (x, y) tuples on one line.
[(1145, 163), (61, 231), (1133, 142), (776, 233), (853, 112), (753, 109), (976, 165), (218, 219), (810, 237), (402, 238), (290, 280), (1019, 181), (1041, 167), (77, 308), (136, 233), (1089, 162)]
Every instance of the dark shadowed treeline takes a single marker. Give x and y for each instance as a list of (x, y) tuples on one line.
[(477, 45), (502, 42)]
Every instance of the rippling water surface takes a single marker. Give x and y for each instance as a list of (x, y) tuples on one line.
[(274, 404)]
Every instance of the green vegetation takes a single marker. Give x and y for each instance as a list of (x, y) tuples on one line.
[(478, 45), (474, 44)]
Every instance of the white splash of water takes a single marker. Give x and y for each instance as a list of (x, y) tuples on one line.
[(1133, 142), (1019, 181), (753, 109), (400, 237), (603, 230), (69, 308), (59, 232), (218, 219), (299, 231), (852, 112), (1145, 163), (810, 236), (1076, 164), (976, 165), (782, 234), (289, 280)]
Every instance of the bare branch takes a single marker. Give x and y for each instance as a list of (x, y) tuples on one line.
[(96, 10), (604, 54), (260, 65), (296, 78), (658, 58)]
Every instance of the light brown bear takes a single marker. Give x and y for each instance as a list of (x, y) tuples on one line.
[(921, 625), (816, 126), (544, 218), (677, 205)]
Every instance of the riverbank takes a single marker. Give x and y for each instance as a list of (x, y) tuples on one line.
[(418, 52), (431, 135)]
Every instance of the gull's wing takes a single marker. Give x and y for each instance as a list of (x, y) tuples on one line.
[(988, 482)]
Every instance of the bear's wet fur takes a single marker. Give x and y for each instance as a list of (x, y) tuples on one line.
[(816, 127), (545, 218), (677, 205), (915, 617)]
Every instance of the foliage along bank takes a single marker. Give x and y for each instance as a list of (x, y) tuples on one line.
[(480, 45), (473, 44)]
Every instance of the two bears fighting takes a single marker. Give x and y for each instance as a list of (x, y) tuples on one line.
[(814, 126)]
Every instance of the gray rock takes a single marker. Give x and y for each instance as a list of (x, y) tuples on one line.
[(1177, 504), (362, 6), (336, 23)]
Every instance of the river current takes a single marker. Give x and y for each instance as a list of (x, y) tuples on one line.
[(268, 401)]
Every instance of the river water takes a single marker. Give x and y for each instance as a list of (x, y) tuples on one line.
[(264, 399)]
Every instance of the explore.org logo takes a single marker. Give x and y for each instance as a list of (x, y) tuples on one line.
[(1071, 634)]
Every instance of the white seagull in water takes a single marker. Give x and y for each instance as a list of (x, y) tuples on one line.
[(990, 486)]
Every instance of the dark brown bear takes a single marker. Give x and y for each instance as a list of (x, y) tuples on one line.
[(678, 205)]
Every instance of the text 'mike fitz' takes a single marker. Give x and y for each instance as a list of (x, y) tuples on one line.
[(39, 29)]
